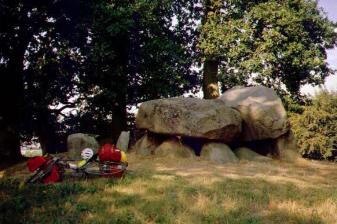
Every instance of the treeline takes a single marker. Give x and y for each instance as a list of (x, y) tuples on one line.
[(105, 56)]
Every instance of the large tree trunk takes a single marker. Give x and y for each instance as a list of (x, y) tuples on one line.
[(11, 104), (118, 121), (210, 79), (12, 95), (50, 140)]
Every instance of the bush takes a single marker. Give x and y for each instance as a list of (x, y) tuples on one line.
[(316, 127), (293, 105)]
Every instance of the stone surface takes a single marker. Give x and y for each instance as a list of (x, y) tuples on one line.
[(146, 145), (244, 153), (218, 152), (173, 148), (261, 109), (191, 117), (79, 141), (123, 141), (286, 147)]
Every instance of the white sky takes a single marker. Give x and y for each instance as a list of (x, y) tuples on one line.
[(330, 7)]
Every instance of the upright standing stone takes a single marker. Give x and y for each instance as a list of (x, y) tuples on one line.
[(79, 141), (244, 153), (286, 147), (173, 148), (146, 145), (218, 152), (123, 141)]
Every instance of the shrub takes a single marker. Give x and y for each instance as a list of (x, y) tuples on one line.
[(293, 105), (316, 127)]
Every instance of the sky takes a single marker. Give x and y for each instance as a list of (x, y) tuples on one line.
[(330, 7)]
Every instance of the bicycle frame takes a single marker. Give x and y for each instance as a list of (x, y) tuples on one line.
[(79, 168)]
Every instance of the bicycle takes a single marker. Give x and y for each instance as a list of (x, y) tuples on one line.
[(50, 169)]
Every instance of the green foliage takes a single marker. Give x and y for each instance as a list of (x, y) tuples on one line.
[(273, 42), (103, 55), (136, 55), (293, 105), (40, 59), (316, 128)]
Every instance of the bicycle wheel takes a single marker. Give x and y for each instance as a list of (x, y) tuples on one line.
[(92, 168), (105, 169)]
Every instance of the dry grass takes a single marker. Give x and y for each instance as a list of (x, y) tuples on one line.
[(158, 190)]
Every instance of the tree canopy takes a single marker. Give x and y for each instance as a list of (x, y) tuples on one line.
[(281, 44), (38, 65), (136, 54)]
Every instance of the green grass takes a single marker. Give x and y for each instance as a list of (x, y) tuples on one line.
[(186, 191)]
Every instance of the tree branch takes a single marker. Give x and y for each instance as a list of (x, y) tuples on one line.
[(58, 111)]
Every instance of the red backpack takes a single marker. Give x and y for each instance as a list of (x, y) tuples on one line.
[(36, 162)]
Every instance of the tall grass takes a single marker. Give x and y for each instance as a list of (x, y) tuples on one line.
[(183, 191)]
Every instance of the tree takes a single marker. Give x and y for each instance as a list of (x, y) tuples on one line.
[(137, 55), (37, 55), (281, 44), (211, 17), (316, 127), (109, 54)]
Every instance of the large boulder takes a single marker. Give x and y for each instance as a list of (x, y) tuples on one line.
[(79, 141), (218, 152), (191, 117), (263, 114), (244, 153), (173, 148)]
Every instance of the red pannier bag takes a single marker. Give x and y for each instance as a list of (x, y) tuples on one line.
[(34, 163), (109, 152), (41, 161), (54, 175)]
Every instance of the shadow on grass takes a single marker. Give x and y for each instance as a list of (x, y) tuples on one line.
[(161, 197), (38, 203)]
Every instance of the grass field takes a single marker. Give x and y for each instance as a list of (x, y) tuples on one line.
[(182, 191)]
